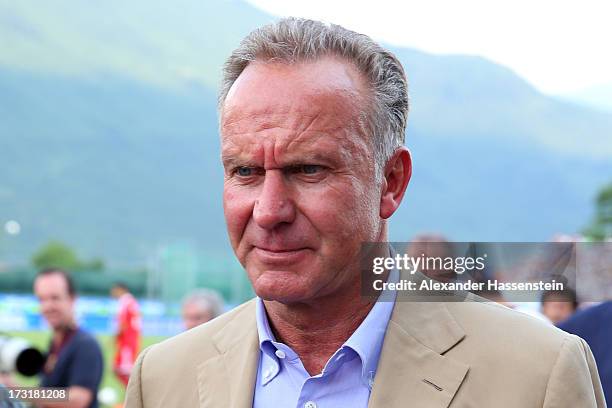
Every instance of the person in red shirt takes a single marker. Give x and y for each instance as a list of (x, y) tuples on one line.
[(128, 332)]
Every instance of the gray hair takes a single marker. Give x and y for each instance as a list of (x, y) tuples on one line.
[(206, 299), (299, 40)]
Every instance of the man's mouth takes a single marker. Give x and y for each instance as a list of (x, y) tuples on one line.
[(280, 254), (279, 250)]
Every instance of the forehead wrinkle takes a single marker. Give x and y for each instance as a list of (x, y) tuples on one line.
[(236, 153), (287, 150), (295, 121), (284, 147), (251, 116), (350, 148), (345, 108)]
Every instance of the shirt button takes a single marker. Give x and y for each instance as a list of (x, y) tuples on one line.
[(280, 354), (310, 404)]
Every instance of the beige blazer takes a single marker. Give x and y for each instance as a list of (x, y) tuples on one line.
[(435, 355)]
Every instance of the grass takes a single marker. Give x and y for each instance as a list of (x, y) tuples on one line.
[(41, 341)]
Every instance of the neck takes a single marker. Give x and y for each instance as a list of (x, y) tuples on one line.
[(60, 332), (316, 330)]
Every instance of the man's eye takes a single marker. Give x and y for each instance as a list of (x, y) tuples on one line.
[(310, 168), (244, 171)]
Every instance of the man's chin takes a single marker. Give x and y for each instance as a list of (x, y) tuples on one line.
[(281, 286), (54, 325)]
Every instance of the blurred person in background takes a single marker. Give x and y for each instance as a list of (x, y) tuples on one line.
[(432, 246), (559, 305), (127, 340), (74, 359), (200, 306), (594, 324)]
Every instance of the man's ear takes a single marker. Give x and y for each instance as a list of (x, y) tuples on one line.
[(397, 173)]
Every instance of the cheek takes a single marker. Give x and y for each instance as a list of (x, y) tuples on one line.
[(66, 309), (67, 305), (344, 213), (237, 207), (49, 305)]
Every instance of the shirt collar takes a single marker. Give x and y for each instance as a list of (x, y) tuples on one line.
[(366, 341), (270, 365), (263, 326)]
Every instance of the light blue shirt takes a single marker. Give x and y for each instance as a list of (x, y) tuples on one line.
[(346, 379)]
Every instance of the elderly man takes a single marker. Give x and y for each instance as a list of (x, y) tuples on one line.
[(312, 127)]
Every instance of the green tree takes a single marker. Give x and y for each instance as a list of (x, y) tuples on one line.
[(56, 254), (96, 264), (601, 228)]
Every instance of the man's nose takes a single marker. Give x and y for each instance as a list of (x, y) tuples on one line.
[(273, 206)]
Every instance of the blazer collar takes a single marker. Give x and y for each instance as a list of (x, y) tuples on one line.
[(430, 323), (412, 368)]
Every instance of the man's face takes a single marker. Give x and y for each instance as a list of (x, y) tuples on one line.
[(56, 304), (557, 310), (299, 191), (116, 292), (194, 315)]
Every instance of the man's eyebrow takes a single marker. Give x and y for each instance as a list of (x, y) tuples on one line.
[(231, 160), (316, 157), (332, 158)]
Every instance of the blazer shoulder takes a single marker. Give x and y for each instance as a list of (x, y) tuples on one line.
[(480, 317), (510, 349), (508, 339), (167, 373)]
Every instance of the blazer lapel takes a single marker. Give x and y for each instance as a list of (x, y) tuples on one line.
[(228, 379), (412, 370)]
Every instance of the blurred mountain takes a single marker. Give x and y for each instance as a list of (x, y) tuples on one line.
[(598, 97), (108, 134), (155, 42)]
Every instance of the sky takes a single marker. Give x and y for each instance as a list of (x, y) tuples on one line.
[(560, 46)]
